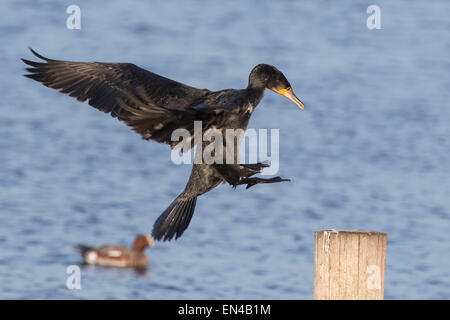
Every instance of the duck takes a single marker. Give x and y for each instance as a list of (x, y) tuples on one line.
[(117, 255)]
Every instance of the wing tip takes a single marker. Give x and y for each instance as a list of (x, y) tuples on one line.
[(34, 63), (37, 54), (33, 76)]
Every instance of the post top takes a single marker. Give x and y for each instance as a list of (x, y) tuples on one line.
[(367, 232)]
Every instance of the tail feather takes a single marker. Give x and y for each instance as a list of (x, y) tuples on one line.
[(186, 218), (82, 249), (175, 219)]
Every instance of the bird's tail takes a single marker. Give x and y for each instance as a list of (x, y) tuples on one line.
[(175, 219), (83, 250)]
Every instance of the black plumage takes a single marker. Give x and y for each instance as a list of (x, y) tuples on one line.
[(155, 106)]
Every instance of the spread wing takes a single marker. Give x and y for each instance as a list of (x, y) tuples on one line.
[(125, 91)]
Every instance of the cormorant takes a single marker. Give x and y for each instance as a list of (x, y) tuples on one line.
[(154, 106)]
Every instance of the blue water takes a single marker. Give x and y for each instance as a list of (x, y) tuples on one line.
[(370, 151)]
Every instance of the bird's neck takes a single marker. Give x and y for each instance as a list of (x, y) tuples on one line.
[(139, 246), (255, 94)]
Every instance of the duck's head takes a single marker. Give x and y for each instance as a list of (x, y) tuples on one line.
[(266, 76), (143, 241)]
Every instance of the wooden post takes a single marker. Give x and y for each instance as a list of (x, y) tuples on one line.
[(349, 265)]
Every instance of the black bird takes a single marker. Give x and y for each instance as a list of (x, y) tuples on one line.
[(155, 106)]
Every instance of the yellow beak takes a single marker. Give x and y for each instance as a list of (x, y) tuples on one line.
[(288, 93)]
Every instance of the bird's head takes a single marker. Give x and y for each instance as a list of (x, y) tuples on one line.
[(143, 241), (267, 76)]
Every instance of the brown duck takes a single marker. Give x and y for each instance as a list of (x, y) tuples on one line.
[(118, 256)]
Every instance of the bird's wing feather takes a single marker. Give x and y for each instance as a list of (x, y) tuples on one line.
[(125, 91), (112, 251), (155, 123)]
